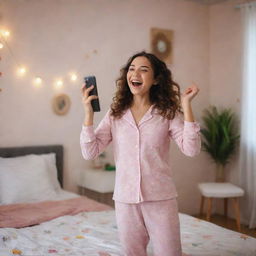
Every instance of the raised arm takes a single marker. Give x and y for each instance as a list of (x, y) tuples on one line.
[(93, 142), (184, 130)]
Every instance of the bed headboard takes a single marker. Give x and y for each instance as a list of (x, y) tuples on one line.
[(21, 151)]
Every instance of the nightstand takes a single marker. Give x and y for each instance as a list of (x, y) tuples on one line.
[(97, 184)]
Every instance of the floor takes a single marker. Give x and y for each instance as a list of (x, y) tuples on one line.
[(228, 223)]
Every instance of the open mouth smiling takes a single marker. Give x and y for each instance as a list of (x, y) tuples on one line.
[(136, 83)]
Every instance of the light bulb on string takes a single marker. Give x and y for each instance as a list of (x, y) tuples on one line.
[(21, 71), (73, 77), (5, 33), (58, 84), (1, 46), (38, 81)]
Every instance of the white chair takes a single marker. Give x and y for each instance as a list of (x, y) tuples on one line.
[(212, 190)]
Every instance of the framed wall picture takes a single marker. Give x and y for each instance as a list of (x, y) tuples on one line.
[(61, 104), (161, 44)]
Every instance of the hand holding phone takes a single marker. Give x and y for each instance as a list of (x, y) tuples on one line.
[(89, 81)]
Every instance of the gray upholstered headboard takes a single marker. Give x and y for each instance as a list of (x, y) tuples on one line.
[(21, 151)]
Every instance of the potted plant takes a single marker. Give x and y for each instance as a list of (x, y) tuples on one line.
[(220, 137)]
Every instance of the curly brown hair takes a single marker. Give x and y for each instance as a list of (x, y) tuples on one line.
[(165, 95)]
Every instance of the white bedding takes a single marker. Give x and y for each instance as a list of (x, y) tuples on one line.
[(63, 194), (95, 234)]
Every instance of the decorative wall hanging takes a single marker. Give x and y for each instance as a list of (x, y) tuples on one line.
[(61, 104), (161, 44)]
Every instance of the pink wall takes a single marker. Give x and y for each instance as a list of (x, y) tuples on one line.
[(225, 68), (54, 36)]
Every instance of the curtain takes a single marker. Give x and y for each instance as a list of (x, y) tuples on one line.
[(248, 116)]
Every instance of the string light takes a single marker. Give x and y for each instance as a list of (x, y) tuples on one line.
[(58, 84), (73, 77), (5, 33), (38, 81), (22, 71)]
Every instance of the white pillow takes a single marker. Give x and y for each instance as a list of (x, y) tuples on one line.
[(24, 179), (52, 169)]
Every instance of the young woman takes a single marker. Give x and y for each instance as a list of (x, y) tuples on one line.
[(145, 114)]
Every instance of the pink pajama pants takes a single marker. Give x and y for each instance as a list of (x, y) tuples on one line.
[(154, 220)]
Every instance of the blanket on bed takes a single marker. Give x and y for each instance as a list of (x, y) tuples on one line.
[(27, 214)]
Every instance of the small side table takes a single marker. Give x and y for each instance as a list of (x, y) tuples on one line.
[(97, 184), (225, 190)]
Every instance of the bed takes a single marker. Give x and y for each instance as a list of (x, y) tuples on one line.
[(90, 230)]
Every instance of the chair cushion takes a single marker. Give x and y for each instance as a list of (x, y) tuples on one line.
[(221, 190)]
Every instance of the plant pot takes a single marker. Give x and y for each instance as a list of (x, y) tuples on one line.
[(220, 173)]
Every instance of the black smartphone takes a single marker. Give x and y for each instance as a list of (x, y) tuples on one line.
[(89, 81)]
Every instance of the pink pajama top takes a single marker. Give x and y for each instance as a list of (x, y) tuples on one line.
[(141, 152)]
